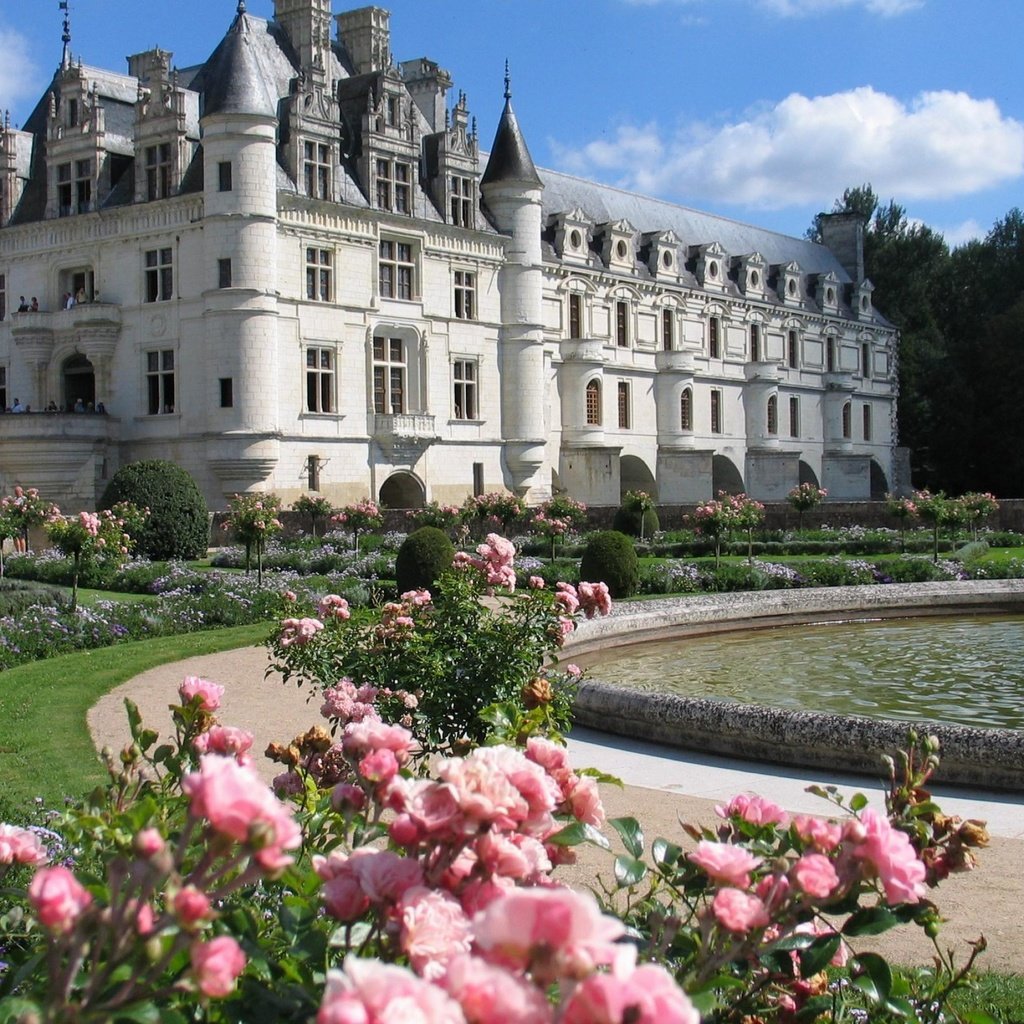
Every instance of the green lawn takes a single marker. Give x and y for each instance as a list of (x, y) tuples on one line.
[(45, 747)]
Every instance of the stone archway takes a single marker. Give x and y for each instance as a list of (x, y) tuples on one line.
[(635, 476), (78, 383), (725, 476), (402, 490), (807, 474), (879, 483)]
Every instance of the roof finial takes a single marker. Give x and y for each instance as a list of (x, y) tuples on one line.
[(65, 60), (240, 9), (508, 82)]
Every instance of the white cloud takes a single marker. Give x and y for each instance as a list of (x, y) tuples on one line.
[(19, 77), (960, 234), (806, 150), (805, 8)]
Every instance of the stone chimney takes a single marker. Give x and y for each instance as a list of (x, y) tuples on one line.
[(843, 233), (307, 23), (366, 35)]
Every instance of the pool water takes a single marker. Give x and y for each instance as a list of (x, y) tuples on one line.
[(965, 670)]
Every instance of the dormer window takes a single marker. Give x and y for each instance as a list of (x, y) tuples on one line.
[(316, 168), (72, 113), (392, 111), (394, 183), (158, 171), (74, 187), (461, 201)]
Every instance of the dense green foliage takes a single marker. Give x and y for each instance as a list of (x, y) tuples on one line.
[(423, 556), (610, 558), (17, 595), (178, 525)]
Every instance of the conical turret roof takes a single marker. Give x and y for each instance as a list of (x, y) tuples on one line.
[(510, 159), (232, 81)]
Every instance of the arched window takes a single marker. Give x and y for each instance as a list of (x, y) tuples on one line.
[(847, 426), (773, 414), (686, 409), (594, 403)]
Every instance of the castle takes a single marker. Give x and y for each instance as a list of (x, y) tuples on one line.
[(291, 269)]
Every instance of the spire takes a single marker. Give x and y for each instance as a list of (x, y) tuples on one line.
[(240, 9), (65, 60), (510, 159)]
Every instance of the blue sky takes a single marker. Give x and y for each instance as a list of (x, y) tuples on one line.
[(760, 110)]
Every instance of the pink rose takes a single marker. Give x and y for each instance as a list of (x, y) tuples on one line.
[(725, 863), (299, 631), (237, 804), (209, 694), (814, 873), (647, 995), (371, 992), (754, 809), (585, 802), (21, 846), (58, 898), (149, 842), (379, 766), (536, 582), (361, 738), (434, 929), (816, 832), (191, 905), (738, 911), (384, 876), (334, 607), (594, 599), (492, 995), (225, 739), (893, 858), (216, 965)]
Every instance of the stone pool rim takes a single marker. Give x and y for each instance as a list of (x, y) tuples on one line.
[(992, 758)]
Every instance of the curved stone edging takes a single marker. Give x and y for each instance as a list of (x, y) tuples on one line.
[(993, 758)]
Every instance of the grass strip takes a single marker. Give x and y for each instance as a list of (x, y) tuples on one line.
[(45, 747)]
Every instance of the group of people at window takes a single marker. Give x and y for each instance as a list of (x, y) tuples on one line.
[(78, 405), (68, 301)]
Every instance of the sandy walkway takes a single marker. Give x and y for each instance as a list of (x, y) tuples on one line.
[(986, 901)]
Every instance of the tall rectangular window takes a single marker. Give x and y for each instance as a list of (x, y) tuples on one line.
[(773, 415), (792, 350), (478, 479), (667, 330), (83, 186), (865, 360), (593, 401), (74, 187), (318, 274), (159, 275), (64, 190), (623, 405), (160, 382), (716, 411), (316, 169), (227, 392), (3, 387), (622, 324), (755, 343), (158, 171), (686, 409), (794, 416), (313, 472), (866, 420), (224, 176), (389, 368), (575, 315), (224, 273), (3, 296), (847, 421), (396, 270), (461, 201), (714, 337), (464, 379), (831, 363), (465, 294), (394, 186), (319, 379)]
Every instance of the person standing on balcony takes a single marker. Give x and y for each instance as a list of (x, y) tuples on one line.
[(34, 308), (17, 407)]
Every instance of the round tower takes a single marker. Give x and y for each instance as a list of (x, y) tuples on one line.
[(239, 132), (512, 190)]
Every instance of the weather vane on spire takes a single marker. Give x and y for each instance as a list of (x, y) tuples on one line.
[(508, 82), (65, 59)]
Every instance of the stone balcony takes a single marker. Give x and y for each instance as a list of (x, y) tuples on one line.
[(404, 436), (838, 380), (582, 350), (674, 361), (763, 371), (102, 315)]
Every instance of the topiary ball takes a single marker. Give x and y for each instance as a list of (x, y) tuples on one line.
[(423, 556), (627, 520), (179, 521), (610, 558)]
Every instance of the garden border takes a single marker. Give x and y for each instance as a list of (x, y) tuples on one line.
[(992, 758)]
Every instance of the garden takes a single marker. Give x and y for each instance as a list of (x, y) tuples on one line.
[(404, 865)]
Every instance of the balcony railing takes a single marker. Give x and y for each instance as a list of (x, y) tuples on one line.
[(405, 425)]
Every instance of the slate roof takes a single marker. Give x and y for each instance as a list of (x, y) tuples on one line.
[(510, 160)]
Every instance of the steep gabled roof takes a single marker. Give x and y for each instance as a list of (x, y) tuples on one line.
[(510, 161)]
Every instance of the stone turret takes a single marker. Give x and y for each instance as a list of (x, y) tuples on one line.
[(366, 36), (512, 190)]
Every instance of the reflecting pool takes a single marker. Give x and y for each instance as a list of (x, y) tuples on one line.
[(964, 670)]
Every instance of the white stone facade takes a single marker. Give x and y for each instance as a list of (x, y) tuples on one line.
[(297, 277)]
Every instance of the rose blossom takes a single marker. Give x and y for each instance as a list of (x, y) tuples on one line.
[(536, 582), (594, 598), (647, 995), (334, 607), (21, 846), (299, 631), (58, 898), (585, 802), (237, 804), (893, 858), (225, 739), (434, 929), (191, 905), (371, 992), (738, 911), (725, 863), (216, 965), (361, 738), (210, 694), (492, 995), (754, 809), (819, 833), (814, 873)]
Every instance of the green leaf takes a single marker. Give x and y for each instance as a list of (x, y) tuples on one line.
[(665, 853), (629, 871), (870, 921), (813, 1008), (977, 1017), (874, 978), (858, 802), (13, 1009), (631, 833), (577, 832), (603, 777), (134, 717), (901, 1008), (798, 940), (818, 955)]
